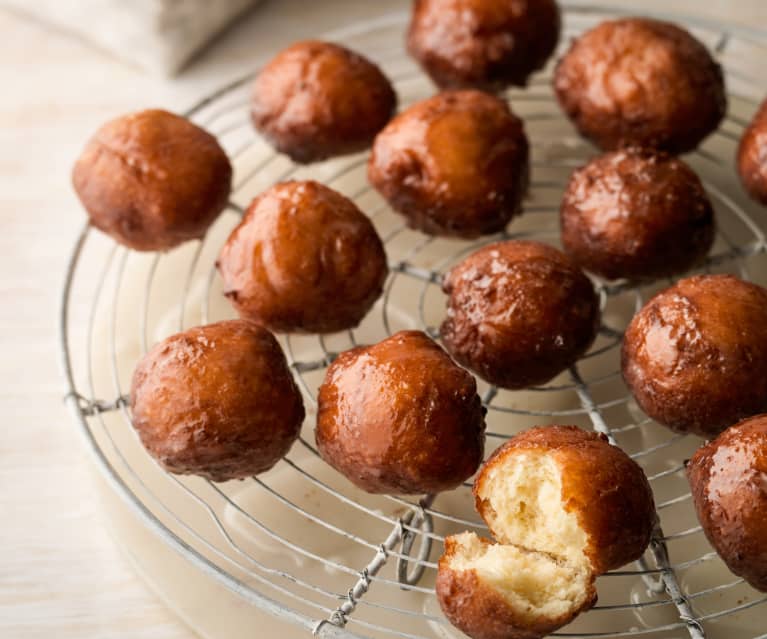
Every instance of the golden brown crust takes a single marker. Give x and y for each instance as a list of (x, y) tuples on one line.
[(601, 484), (303, 259), (727, 477), (636, 214), (481, 612), (316, 100), (752, 156), (217, 401), (695, 357), (641, 82), (484, 44), (400, 417), (518, 313), (152, 180), (455, 164)]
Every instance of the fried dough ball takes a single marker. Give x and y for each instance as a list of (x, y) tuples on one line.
[(695, 357), (400, 417), (564, 507), (568, 492), (641, 82), (456, 164), (519, 313), (636, 214), (316, 100), (303, 259), (730, 496), (484, 44), (217, 401), (752, 156), (152, 180)]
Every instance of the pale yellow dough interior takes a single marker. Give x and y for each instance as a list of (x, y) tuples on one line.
[(524, 507), (538, 566), (534, 584)]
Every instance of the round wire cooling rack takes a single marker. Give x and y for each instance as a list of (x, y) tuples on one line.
[(299, 541)]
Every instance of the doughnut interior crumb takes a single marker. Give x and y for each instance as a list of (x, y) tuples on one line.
[(522, 505), (537, 574), (534, 584)]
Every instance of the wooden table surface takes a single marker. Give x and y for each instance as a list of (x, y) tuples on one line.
[(60, 574)]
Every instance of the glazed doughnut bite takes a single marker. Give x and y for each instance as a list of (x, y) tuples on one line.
[(636, 214), (303, 259), (695, 357), (317, 100), (730, 496), (564, 506), (569, 492), (217, 401), (152, 180), (400, 417), (518, 313), (641, 82), (495, 591), (752, 156), (456, 164), (483, 44)]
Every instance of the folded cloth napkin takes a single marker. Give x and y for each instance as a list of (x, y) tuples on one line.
[(159, 35)]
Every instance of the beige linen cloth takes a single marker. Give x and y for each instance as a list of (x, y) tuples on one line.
[(158, 35)]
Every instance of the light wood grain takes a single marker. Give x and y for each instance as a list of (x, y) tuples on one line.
[(60, 574)]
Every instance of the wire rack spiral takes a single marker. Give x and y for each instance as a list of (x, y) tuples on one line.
[(301, 542)]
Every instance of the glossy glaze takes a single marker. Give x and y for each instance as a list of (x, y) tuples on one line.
[(728, 477), (316, 100), (484, 44), (641, 82), (217, 401), (518, 313), (400, 417), (636, 214), (601, 484), (303, 259), (695, 357), (454, 164), (752, 156), (152, 180)]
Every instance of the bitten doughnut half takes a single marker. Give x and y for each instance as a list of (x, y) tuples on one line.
[(636, 214), (752, 156), (727, 477), (519, 313), (303, 259), (217, 401), (695, 357), (569, 492), (494, 591), (484, 44), (456, 164), (641, 82), (564, 506), (400, 417), (316, 100), (152, 180)]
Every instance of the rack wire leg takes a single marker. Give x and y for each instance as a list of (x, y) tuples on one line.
[(399, 534)]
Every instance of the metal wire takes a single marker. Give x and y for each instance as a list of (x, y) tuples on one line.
[(595, 398)]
